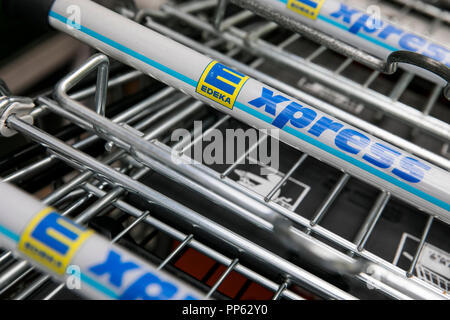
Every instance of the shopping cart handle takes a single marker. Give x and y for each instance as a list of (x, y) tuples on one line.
[(70, 252), (420, 61)]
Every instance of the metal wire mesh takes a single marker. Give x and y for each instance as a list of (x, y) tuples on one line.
[(85, 171)]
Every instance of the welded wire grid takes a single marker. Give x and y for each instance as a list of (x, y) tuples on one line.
[(432, 277), (391, 107)]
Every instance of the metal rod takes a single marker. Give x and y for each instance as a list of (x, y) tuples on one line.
[(222, 277), (316, 53), (156, 158), (194, 6), (205, 134), (371, 78), (243, 156), (425, 232), (76, 205), (54, 292), (432, 99), (286, 177), (401, 85), (220, 13), (31, 288), (323, 208), (5, 257), (189, 110), (427, 9), (371, 220), (343, 66), (175, 252), (99, 205), (102, 88), (239, 17), (255, 64), (163, 112), (114, 82), (13, 274), (261, 31), (131, 226), (280, 290)]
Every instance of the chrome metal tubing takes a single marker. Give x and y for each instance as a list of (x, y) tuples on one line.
[(304, 278)]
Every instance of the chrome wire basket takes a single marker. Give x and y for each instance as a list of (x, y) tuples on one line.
[(339, 237)]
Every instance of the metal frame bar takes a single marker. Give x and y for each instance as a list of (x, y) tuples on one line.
[(113, 198)]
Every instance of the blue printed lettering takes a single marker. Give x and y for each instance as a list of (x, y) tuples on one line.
[(289, 115), (411, 170), (388, 30), (351, 141), (436, 52), (411, 42), (344, 12), (362, 23), (114, 267), (381, 156), (324, 124), (269, 100), (149, 287)]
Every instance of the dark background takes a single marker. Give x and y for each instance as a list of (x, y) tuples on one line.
[(16, 35)]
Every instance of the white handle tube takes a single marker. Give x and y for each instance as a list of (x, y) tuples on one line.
[(304, 127), (88, 263), (363, 30)]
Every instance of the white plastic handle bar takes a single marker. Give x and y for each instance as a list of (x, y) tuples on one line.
[(415, 181), (364, 30), (89, 264)]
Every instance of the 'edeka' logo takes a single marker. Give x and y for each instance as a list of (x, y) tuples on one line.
[(221, 84), (52, 240), (307, 8)]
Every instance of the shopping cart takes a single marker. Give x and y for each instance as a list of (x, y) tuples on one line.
[(338, 233)]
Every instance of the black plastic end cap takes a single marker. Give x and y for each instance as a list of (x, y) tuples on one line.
[(33, 11)]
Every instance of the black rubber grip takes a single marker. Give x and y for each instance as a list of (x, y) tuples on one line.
[(34, 11)]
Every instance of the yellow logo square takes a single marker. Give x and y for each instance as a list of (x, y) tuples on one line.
[(52, 240), (221, 84), (307, 8)]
